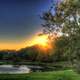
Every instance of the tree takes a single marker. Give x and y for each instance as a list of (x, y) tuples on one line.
[(66, 20)]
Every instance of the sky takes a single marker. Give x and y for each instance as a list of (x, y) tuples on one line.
[(20, 21)]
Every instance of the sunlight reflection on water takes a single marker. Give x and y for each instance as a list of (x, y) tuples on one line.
[(10, 69)]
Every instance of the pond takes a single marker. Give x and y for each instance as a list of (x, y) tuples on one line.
[(20, 69), (11, 69)]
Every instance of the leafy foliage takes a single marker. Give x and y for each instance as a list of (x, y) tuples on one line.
[(66, 20)]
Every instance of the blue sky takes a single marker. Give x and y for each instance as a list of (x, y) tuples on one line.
[(19, 19)]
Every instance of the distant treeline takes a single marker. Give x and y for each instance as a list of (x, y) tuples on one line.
[(33, 53)]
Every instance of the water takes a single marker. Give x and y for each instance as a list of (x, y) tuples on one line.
[(10, 69)]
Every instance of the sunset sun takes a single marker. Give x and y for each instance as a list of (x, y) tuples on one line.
[(41, 40)]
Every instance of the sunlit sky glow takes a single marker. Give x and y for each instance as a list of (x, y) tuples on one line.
[(41, 40), (20, 21)]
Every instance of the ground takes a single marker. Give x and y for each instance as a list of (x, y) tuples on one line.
[(56, 75)]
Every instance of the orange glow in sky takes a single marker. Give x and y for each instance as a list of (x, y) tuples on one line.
[(42, 41), (10, 46), (37, 40)]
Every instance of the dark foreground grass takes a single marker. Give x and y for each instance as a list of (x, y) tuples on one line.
[(57, 75)]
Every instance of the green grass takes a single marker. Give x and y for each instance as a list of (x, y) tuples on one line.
[(56, 75)]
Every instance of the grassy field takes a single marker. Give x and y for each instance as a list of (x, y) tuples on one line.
[(57, 75)]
